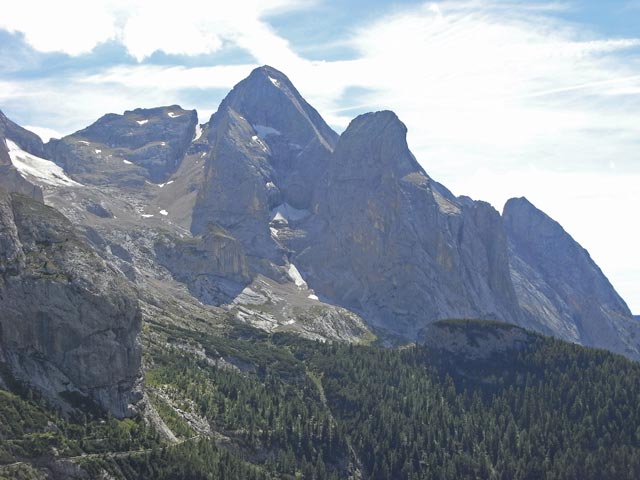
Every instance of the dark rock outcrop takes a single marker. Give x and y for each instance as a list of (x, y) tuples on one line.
[(143, 144), (69, 322), (473, 339), (27, 140)]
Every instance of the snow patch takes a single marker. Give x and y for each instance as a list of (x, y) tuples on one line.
[(83, 142), (127, 162), (270, 185), (141, 122), (275, 82), (313, 297), (97, 150), (164, 144), (161, 185), (173, 115), (274, 232), (258, 140), (198, 132), (169, 182), (264, 131), (164, 212), (279, 218), (146, 215), (285, 213), (294, 275), (39, 168), (290, 322)]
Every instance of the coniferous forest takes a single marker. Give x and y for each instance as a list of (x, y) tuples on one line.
[(247, 405)]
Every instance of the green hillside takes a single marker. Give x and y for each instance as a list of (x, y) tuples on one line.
[(248, 405)]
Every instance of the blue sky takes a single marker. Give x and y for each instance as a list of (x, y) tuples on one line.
[(501, 98)]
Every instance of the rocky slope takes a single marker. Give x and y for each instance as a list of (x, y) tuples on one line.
[(69, 321), (126, 150)]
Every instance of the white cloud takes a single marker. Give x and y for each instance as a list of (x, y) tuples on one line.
[(142, 26), (70, 26)]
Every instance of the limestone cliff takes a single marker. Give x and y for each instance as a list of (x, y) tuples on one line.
[(69, 322)]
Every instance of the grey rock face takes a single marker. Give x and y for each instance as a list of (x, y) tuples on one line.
[(69, 322), (560, 288), (396, 246), (143, 144)]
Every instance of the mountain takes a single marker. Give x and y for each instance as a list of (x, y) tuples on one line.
[(398, 247), (266, 213), (268, 142)]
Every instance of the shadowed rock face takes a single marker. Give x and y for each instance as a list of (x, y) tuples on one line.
[(560, 288), (27, 140), (69, 322), (143, 144)]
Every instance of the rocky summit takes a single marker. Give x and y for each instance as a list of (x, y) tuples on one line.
[(262, 216)]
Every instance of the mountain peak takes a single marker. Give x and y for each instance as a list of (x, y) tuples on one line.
[(375, 141), (519, 203), (518, 212), (276, 77), (268, 98)]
